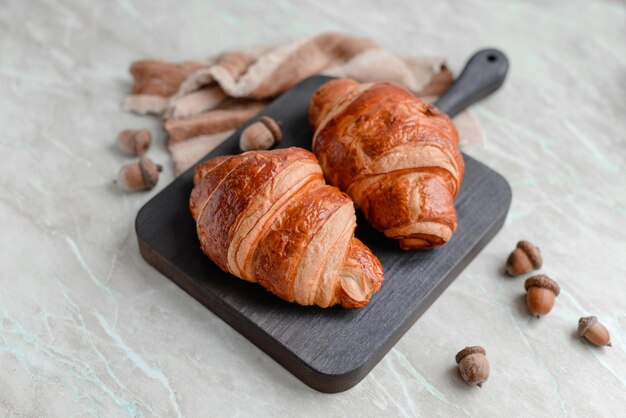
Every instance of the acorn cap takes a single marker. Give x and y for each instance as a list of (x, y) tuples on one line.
[(272, 125), (585, 323), (134, 142), (150, 171), (532, 251), (143, 138), (541, 280), (476, 349)]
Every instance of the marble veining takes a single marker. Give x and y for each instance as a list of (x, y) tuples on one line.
[(87, 328)]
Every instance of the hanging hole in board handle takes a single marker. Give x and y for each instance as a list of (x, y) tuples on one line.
[(483, 74)]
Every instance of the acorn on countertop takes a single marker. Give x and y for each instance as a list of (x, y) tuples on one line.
[(139, 175), (473, 365), (261, 135), (524, 259), (594, 331), (541, 292), (134, 142)]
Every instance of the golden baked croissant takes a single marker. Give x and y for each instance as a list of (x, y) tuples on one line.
[(396, 156), (268, 217)]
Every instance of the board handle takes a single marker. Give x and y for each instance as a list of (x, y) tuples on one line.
[(483, 74)]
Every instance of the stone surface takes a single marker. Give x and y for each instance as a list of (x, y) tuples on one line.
[(88, 328)]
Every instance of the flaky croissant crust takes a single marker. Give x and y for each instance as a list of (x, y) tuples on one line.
[(268, 217), (395, 155)]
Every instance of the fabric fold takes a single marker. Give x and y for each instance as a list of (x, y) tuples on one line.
[(201, 101)]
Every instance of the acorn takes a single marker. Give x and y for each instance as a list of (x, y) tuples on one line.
[(524, 259), (594, 331), (541, 292), (134, 142), (261, 135), (139, 175), (473, 365)]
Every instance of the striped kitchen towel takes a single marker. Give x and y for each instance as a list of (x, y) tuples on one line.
[(203, 102)]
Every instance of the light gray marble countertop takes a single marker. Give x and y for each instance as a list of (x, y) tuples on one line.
[(88, 328)]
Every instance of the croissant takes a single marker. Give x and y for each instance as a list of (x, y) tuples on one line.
[(268, 217), (395, 155)]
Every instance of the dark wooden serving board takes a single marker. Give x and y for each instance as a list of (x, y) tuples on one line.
[(330, 350)]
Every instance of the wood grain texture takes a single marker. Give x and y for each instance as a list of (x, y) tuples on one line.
[(329, 349)]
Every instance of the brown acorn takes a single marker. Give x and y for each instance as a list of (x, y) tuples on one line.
[(473, 365), (594, 331), (524, 259), (134, 142), (261, 135), (139, 175), (541, 292)]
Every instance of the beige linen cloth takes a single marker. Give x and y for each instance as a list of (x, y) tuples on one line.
[(203, 102)]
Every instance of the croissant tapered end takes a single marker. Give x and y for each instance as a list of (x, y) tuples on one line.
[(360, 277), (424, 241), (326, 97), (205, 167)]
